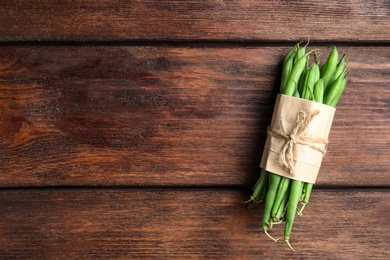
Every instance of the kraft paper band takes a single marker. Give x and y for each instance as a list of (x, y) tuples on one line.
[(297, 138)]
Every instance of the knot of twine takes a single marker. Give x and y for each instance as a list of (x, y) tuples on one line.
[(295, 137)]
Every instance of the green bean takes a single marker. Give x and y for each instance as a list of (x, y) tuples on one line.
[(269, 201), (295, 75), (319, 91), (295, 193), (282, 207), (296, 93), (323, 68), (265, 190), (331, 65), (335, 100), (339, 68), (278, 218), (282, 189), (336, 89), (258, 188), (306, 198), (301, 83), (287, 67), (259, 179), (303, 191), (300, 52), (312, 76)]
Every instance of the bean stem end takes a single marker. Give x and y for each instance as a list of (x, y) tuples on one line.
[(268, 235), (288, 243)]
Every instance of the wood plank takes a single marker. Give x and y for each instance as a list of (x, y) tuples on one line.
[(272, 20), (92, 223), (172, 116)]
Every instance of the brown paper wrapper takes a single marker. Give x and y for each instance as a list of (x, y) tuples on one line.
[(306, 160)]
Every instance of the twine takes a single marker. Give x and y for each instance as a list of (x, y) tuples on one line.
[(295, 137)]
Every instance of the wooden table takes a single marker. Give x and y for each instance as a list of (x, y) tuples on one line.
[(134, 129)]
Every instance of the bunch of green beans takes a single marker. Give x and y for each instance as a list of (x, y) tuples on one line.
[(285, 198)]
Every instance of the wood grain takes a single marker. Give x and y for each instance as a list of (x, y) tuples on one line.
[(96, 223), (172, 116), (120, 20), (115, 138)]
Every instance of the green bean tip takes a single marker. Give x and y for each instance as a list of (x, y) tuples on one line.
[(268, 235), (288, 243)]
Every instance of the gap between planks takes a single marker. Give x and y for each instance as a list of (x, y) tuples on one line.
[(186, 187), (196, 43)]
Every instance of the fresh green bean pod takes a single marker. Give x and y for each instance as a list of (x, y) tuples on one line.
[(302, 193), (336, 89), (301, 51), (295, 75), (336, 99), (340, 68), (283, 205), (312, 76), (265, 190), (258, 180), (286, 73), (331, 65), (269, 200), (296, 93), (282, 189), (301, 83), (295, 193), (258, 188), (318, 91), (308, 188), (323, 68), (287, 67)]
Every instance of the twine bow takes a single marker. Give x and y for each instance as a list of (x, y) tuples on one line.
[(295, 137)]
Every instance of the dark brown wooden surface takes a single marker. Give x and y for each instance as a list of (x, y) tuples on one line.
[(172, 116), (134, 129), (106, 20), (199, 224)]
